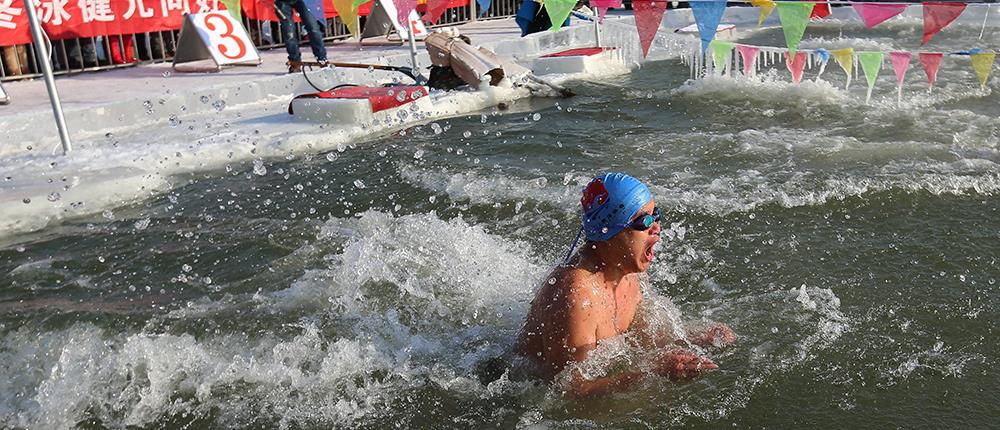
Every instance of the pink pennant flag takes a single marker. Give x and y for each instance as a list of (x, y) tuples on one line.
[(602, 6), (648, 15), (435, 8), (796, 66), (937, 15), (403, 9), (874, 13), (900, 63), (749, 54), (931, 62)]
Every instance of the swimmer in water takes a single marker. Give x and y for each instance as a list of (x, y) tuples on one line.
[(596, 294)]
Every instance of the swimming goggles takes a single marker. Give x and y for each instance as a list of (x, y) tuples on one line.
[(645, 221)]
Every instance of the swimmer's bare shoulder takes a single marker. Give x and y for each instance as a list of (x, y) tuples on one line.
[(559, 328)]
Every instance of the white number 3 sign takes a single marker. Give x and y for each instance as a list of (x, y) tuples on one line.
[(217, 36)]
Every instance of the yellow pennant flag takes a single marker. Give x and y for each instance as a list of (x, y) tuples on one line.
[(766, 7), (983, 64), (348, 15), (845, 58)]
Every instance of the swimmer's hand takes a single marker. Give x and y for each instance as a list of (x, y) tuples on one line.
[(718, 336), (678, 365)]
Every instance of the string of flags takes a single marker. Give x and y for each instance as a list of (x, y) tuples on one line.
[(754, 58), (794, 17)]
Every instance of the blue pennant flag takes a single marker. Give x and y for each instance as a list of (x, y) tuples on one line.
[(484, 5), (823, 55), (707, 14)]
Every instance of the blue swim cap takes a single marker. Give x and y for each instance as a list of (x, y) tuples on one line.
[(609, 202)]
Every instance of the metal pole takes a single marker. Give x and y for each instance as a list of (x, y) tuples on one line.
[(413, 46), (42, 50), (472, 11), (597, 29)]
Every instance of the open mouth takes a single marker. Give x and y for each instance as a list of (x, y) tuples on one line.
[(649, 250)]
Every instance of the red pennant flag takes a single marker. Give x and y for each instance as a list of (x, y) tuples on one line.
[(821, 10), (931, 62), (937, 16), (796, 66), (435, 8), (648, 15)]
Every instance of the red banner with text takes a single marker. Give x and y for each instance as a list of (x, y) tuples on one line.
[(68, 19)]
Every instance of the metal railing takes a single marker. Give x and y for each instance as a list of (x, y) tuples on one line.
[(72, 56)]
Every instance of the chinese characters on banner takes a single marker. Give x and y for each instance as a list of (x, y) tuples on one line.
[(65, 19), (68, 19)]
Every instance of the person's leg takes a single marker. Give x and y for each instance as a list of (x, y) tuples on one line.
[(313, 27), (288, 33)]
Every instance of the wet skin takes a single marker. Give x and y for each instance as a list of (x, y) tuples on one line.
[(596, 297)]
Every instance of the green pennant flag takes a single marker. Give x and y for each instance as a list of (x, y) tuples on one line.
[(358, 3), (558, 11), (234, 7), (871, 63), (722, 52), (794, 18)]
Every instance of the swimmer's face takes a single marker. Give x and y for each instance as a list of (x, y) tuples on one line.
[(636, 247)]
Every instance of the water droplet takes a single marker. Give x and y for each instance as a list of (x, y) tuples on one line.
[(166, 74), (147, 104), (174, 122), (432, 199), (552, 281), (258, 168), (54, 197), (186, 268), (108, 215), (142, 224), (219, 105), (109, 135), (418, 154), (359, 183), (204, 99), (467, 134), (401, 96), (26, 200), (537, 116), (331, 156)]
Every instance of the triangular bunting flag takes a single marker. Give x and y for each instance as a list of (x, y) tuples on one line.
[(845, 58), (796, 66), (233, 7), (766, 7), (824, 59), (602, 6), (403, 9), (435, 8), (871, 63), (722, 53), (794, 18), (357, 3), (707, 14), (822, 10), (937, 15), (558, 11), (484, 5), (349, 15), (982, 64), (875, 13), (749, 54), (900, 63), (930, 62), (648, 15)]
